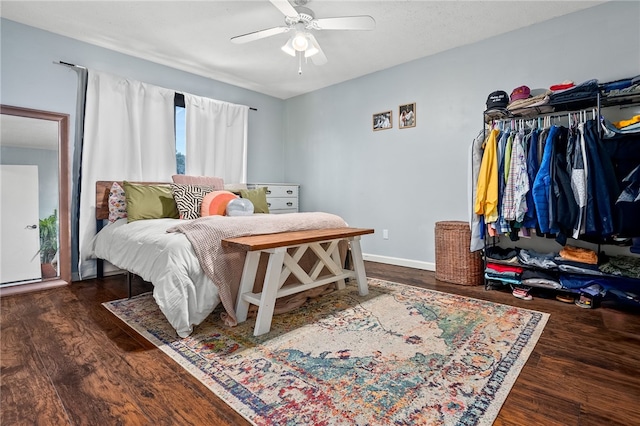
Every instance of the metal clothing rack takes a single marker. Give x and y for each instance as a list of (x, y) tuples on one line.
[(580, 114), (518, 121)]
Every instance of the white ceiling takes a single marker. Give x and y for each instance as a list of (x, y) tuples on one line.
[(194, 36), (26, 132)]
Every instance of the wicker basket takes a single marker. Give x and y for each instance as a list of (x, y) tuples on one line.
[(454, 262)]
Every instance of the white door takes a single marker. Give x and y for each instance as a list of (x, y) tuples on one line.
[(19, 232)]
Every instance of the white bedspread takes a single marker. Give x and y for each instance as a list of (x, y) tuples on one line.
[(184, 293)]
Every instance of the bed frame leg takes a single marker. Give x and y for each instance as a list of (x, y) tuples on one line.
[(129, 283)]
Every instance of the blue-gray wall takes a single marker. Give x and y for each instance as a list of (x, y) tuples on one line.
[(400, 180), (405, 180), (47, 162)]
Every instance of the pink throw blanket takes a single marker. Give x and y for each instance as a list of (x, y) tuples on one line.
[(224, 265)]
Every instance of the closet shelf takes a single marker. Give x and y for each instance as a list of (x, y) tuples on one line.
[(589, 103)]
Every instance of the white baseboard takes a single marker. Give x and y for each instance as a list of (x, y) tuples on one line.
[(76, 277), (427, 266)]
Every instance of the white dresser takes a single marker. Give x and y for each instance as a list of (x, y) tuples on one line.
[(281, 197)]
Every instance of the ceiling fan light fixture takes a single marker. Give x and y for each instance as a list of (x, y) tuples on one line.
[(312, 50), (300, 42), (288, 48)]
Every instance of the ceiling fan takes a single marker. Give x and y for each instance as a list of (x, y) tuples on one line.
[(301, 20)]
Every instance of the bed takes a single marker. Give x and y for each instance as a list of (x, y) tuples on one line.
[(170, 252)]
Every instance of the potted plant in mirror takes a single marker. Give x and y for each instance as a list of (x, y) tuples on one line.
[(49, 245)]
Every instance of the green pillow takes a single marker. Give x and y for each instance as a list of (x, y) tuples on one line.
[(258, 197), (149, 202)]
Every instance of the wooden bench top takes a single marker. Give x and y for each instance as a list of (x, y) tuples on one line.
[(283, 239)]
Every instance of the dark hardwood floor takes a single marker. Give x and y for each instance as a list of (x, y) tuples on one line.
[(67, 360)]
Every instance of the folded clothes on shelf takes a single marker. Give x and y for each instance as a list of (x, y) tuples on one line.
[(625, 266), (540, 260), (504, 269), (587, 90), (501, 279), (579, 254), (540, 279), (577, 267), (499, 253), (621, 284)]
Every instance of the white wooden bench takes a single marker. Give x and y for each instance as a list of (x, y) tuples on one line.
[(323, 242)]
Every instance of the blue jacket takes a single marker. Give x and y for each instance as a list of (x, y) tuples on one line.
[(602, 187), (542, 183)]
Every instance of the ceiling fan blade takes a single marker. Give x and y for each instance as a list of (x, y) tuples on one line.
[(285, 7), (318, 58), (257, 35), (346, 23)]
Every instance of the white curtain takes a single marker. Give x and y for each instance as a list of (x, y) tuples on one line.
[(128, 135), (216, 143)]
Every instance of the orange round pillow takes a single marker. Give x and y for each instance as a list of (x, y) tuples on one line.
[(215, 203)]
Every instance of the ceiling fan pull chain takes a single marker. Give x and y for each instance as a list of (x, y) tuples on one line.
[(299, 63)]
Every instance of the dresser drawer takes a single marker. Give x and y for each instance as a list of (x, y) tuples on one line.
[(282, 203), (281, 197), (282, 191)]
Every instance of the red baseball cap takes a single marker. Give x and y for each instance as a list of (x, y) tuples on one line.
[(522, 92)]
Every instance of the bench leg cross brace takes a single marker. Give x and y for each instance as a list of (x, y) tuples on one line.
[(281, 265)]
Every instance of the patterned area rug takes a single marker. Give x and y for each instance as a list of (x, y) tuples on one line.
[(401, 355)]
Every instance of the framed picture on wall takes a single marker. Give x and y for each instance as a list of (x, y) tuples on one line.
[(407, 116), (382, 121)]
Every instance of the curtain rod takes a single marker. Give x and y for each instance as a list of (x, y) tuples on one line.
[(67, 64)]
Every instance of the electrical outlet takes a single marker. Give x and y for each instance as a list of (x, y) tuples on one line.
[(385, 234)]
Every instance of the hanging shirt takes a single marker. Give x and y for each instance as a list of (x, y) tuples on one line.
[(532, 169), (501, 225), (578, 178), (514, 202), (487, 191), (475, 222), (566, 209)]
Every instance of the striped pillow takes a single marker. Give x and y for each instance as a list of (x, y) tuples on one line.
[(189, 198)]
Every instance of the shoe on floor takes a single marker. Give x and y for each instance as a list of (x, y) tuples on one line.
[(566, 298), (521, 293)]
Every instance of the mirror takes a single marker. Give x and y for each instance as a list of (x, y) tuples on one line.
[(34, 210)]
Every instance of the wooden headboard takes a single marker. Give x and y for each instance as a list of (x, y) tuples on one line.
[(102, 198), (103, 187)]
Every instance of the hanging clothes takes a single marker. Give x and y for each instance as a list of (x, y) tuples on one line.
[(542, 183), (476, 223), (487, 191), (501, 226), (566, 207), (514, 203), (623, 152), (532, 169), (601, 185), (578, 160), (563, 181)]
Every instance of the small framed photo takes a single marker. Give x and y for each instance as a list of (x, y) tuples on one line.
[(382, 121), (407, 116)]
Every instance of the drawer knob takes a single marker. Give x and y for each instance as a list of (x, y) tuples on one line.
[(289, 204), (289, 191), (268, 204), (268, 192)]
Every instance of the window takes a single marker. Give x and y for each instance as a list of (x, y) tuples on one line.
[(181, 132), (180, 139)]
